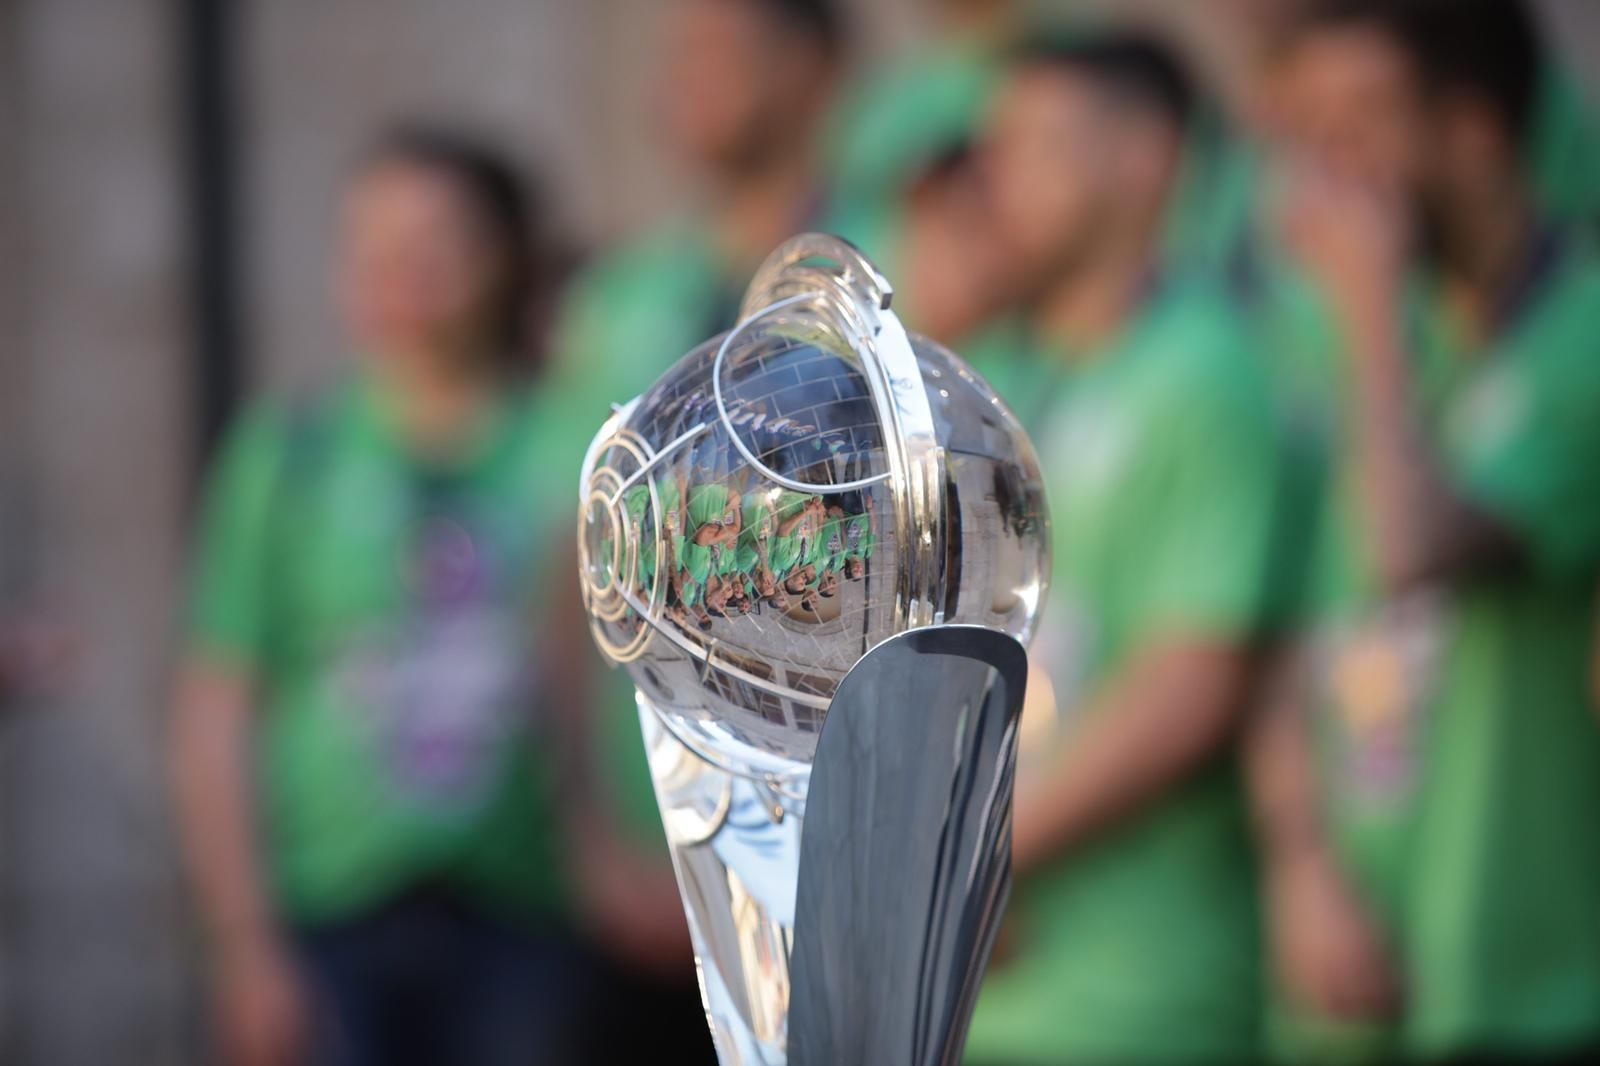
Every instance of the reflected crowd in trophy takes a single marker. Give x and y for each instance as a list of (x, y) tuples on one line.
[(1299, 301)]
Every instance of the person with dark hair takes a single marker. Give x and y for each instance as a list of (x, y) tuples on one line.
[(1430, 755), (1133, 927), (746, 86), (369, 745), (743, 92)]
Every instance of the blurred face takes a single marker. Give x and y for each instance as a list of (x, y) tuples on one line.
[(417, 271), (1047, 160), (1351, 104), (734, 84), (955, 270)]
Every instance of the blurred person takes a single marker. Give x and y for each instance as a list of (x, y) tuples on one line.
[(950, 270), (368, 740), (744, 92), (1133, 927), (904, 113), (746, 86), (1239, 42), (1431, 760)]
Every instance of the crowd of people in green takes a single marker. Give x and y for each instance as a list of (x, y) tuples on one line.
[(729, 551), (1307, 334)]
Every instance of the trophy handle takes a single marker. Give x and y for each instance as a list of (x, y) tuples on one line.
[(905, 854)]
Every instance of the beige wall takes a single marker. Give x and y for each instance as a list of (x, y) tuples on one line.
[(96, 421)]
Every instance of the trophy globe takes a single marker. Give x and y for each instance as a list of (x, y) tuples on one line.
[(787, 498)]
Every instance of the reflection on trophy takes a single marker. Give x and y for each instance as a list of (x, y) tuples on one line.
[(816, 545)]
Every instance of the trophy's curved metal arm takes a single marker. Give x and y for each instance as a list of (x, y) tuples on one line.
[(905, 855), (837, 273)]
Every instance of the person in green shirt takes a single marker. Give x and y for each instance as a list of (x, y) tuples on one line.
[(756, 543), (798, 516), (744, 93), (1217, 220), (860, 538), (1432, 765), (710, 549), (370, 740), (1132, 933)]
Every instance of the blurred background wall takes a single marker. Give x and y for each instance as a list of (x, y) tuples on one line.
[(167, 174), (94, 404)]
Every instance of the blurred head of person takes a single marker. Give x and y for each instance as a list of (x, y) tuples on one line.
[(441, 263), (1082, 150), (953, 265), (748, 81), (1428, 100)]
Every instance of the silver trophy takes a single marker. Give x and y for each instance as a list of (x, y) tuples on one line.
[(816, 545)]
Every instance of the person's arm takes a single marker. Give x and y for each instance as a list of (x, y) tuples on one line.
[(261, 1010), (1353, 240), (787, 526), (629, 899), (1421, 527), (1327, 949), (1170, 710), (263, 1014)]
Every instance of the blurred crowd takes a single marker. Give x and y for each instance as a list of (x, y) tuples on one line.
[(1311, 356)]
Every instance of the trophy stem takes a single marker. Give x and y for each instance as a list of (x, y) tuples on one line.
[(848, 916)]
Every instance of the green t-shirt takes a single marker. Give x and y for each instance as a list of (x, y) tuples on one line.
[(385, 607), (638, 510), (1564, 148), (637, 310), (757, 531), (708, 505), (892, 125), (787, 550), (1458, 755), (1161, 458), (859, 540), (827, 550)]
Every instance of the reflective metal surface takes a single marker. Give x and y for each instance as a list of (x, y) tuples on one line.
[(786, 498), (898, 908)]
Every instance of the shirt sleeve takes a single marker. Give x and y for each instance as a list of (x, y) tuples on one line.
[(1210, 542), (226, 601), (1523, 443)]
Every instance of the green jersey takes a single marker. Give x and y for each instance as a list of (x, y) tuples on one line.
[(637, 310), (650, 535), (789, 550), (1457, 750), (756, 535), (859, 539), (1143, 945), (710, 505), (827, 552), (384, 606)]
